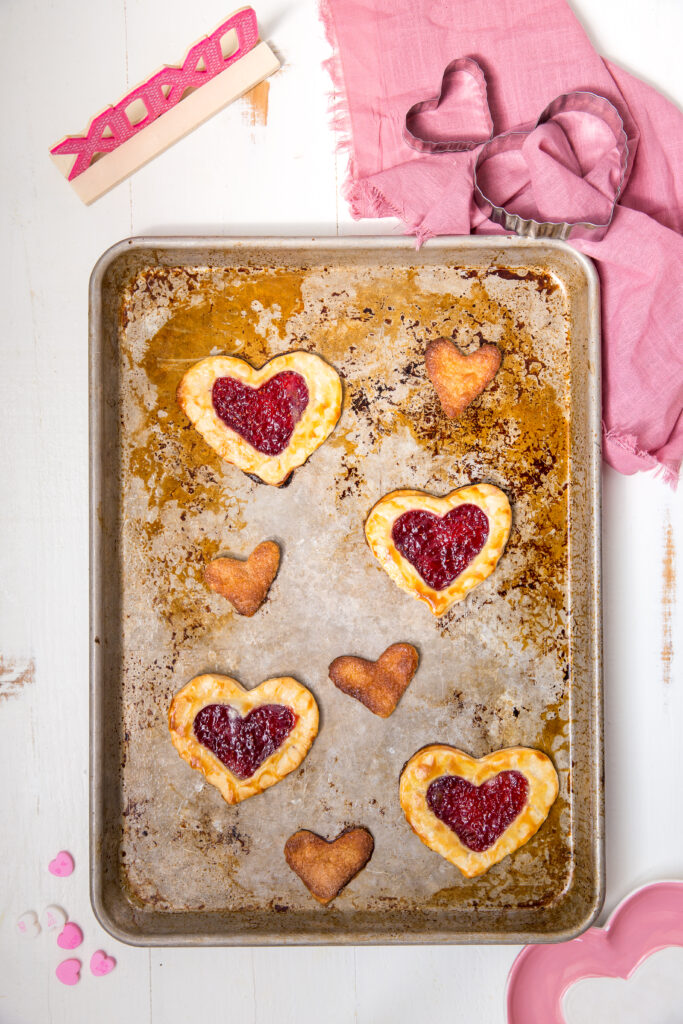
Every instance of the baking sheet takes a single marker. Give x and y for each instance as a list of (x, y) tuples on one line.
[(517, 663)]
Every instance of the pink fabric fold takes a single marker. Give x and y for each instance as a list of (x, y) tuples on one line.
[(389, 54)]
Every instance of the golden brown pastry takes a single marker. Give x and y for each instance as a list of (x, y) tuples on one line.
[(438, 549), (377, 684), (245, 584), (325, 867), (268, 421), (475, 812), (243, 741), (458, 378)]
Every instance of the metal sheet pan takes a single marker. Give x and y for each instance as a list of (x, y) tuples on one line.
[(517, 663)]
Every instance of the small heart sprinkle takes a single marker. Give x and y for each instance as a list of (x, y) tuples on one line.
[(54, 917), (70, 936), (69, 971), (101, 964), (27, 925), (62, 865)]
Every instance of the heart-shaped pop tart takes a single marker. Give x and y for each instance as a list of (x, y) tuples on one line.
[(475, 812), (243, 741), (325, 867), (377, 684), (268, 421), (245, 584), (438, 549), (457, 378)]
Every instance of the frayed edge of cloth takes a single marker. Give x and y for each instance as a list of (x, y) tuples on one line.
[(337, 106), (629, 443)]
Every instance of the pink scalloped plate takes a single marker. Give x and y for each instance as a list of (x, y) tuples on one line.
[(648, 920)]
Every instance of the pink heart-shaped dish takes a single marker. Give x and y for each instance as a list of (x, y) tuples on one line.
[(648, 920)]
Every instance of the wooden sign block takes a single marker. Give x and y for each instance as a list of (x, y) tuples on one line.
[(165, 107)]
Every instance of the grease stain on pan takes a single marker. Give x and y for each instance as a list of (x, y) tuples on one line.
[(509, 639)]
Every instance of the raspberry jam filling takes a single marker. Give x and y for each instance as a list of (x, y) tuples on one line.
[(243, 744), (265, 417), (478, 814), (441, 547)]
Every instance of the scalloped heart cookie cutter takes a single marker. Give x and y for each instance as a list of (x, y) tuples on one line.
[(648, 920), (588, 103)]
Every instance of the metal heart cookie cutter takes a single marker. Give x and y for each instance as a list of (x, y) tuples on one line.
[(588, 103)]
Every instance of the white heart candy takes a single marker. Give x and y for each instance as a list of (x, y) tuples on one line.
[(53, 918), (28, 925)]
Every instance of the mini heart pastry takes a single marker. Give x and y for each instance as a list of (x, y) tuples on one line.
[(324, 866), (475, 812), (438, 549), (268, 421), (377, 684), (243, 741), (458, 378), (245, 584)]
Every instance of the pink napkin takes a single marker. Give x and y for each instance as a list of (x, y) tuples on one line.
[(388, 54)]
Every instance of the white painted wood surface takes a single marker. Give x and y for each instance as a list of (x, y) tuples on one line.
[(61, 63)]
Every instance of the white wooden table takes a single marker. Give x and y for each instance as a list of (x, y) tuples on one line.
[(61, 63)]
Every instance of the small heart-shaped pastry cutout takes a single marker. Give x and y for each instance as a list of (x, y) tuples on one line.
[(268, 421), (438, 549), (377, 684), (245, 584), (458, 378), (243, 741), (475, 812), (325, 867)]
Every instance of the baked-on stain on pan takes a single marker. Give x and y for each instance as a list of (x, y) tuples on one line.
[(516, 663)]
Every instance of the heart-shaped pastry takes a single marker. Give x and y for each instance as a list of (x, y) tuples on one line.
[(268, 421), (475, 812), (325, 867), (438, 549), (377, 684), (245, 584), (458, 378), (243, 741)]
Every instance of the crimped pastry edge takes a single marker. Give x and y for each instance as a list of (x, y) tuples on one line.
[(432, 762), (216, 689), (317, 420), (378, 525)]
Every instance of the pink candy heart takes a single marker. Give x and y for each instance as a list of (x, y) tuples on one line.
[(101, 964), (70, 936), (68, 972), (62, 865)]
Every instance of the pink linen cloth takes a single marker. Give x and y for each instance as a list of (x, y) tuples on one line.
[(388, 54)]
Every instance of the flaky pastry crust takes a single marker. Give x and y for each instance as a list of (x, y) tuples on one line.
[(377, 684), (326, 866), (458, 378), (245, 584), (378, 526), (214, 689), (432, 762), (317, 421)]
